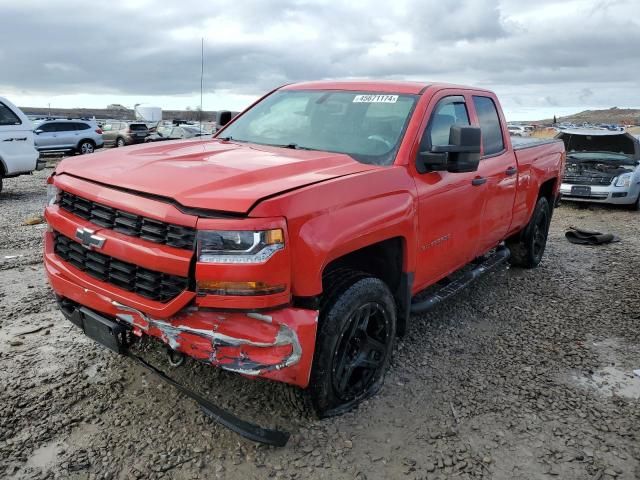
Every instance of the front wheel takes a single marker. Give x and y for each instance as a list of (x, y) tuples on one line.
[(356, 332), (527, 247)]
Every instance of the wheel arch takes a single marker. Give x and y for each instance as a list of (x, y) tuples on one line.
[(86, 140), (384, 260)]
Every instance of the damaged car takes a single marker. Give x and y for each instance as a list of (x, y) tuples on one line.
[(602, 166)]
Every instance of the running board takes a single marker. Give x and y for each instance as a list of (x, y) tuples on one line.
[(500, 256)]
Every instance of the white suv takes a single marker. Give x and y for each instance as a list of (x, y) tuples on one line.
[(17, 153), (72, 135)]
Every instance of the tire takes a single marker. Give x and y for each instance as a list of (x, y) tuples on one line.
[(355, 338), (85, 147), (0, 183), (527, 247), (120, 142), (635, 206)]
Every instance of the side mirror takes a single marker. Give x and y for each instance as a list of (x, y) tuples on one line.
[(38, 131), (222, 118), (461, 155)]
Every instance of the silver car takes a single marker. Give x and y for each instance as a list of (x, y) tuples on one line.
[(76, 135), (602, 167)]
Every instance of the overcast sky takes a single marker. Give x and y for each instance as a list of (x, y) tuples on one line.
[(542, 57)]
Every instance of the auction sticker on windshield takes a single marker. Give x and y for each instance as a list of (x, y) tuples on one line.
[(375, 99)]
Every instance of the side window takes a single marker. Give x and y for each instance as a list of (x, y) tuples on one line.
[(81, 126), (47, 127), (7, 117), (487, 112), (107, 127), (62, 127), (449, 111)]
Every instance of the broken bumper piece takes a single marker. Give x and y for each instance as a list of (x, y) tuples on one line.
[(278, 345), (117, 337)]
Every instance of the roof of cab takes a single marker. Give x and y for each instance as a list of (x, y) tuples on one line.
[(382, 86)]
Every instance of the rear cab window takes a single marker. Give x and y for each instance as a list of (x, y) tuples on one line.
[(487, 112), (138, 127), (8, 116)]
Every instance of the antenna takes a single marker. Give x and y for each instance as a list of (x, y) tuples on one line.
[(201, 81)]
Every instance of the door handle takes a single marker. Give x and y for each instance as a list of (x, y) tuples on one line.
[(8, 140), (511, 171), (23, 139), (478, 181)]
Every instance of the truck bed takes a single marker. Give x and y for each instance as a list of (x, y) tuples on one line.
[(520, 143)]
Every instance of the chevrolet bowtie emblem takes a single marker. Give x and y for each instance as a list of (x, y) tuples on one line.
[(88, 239)]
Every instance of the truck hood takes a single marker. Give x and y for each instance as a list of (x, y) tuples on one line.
[(211, 174)]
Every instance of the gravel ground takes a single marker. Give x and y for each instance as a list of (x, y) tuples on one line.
[(526, 375)]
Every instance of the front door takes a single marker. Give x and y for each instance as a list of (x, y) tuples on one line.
[(449, 204), (16, 142)]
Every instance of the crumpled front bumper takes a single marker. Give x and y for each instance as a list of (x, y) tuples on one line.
[(277, 344)]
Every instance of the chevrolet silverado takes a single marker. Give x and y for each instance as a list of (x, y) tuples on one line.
[(292, 245)]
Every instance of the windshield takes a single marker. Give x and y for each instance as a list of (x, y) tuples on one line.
[(364, 125), (608, 157)]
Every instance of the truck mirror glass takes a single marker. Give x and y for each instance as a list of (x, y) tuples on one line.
[(461, 155), (464, 153)]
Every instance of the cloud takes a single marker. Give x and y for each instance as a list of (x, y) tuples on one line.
[(541, 53)]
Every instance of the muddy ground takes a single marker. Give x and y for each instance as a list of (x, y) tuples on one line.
[(527, 375)]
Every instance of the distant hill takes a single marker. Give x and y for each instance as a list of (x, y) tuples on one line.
[(621, 116), (116, 113)]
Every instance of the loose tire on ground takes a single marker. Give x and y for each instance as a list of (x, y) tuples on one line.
[(527, 247), (356, 331)]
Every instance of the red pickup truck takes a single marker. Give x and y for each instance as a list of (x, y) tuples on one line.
[(292, 245)]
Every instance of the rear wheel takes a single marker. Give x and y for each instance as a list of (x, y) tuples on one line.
[(356, 331), (120, 142), (527, 247), (85, 147)]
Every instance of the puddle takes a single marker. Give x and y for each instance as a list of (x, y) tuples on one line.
[(610, 381), (45, 456), (617, 378)]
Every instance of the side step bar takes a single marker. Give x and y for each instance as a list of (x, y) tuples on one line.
[(500, 256)]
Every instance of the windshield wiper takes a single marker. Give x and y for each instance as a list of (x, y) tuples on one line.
[(292, 146)]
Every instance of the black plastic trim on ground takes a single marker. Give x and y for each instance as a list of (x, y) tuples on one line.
[(243, 428)]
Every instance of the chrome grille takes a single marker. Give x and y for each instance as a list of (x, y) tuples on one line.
[(602, 180)]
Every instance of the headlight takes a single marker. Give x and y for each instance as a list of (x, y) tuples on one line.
[(52, 194), (624, 180), (238, 246)]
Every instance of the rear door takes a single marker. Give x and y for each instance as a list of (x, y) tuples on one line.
[(109, 133), (449, 222), (499, 169), (67, 134)]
